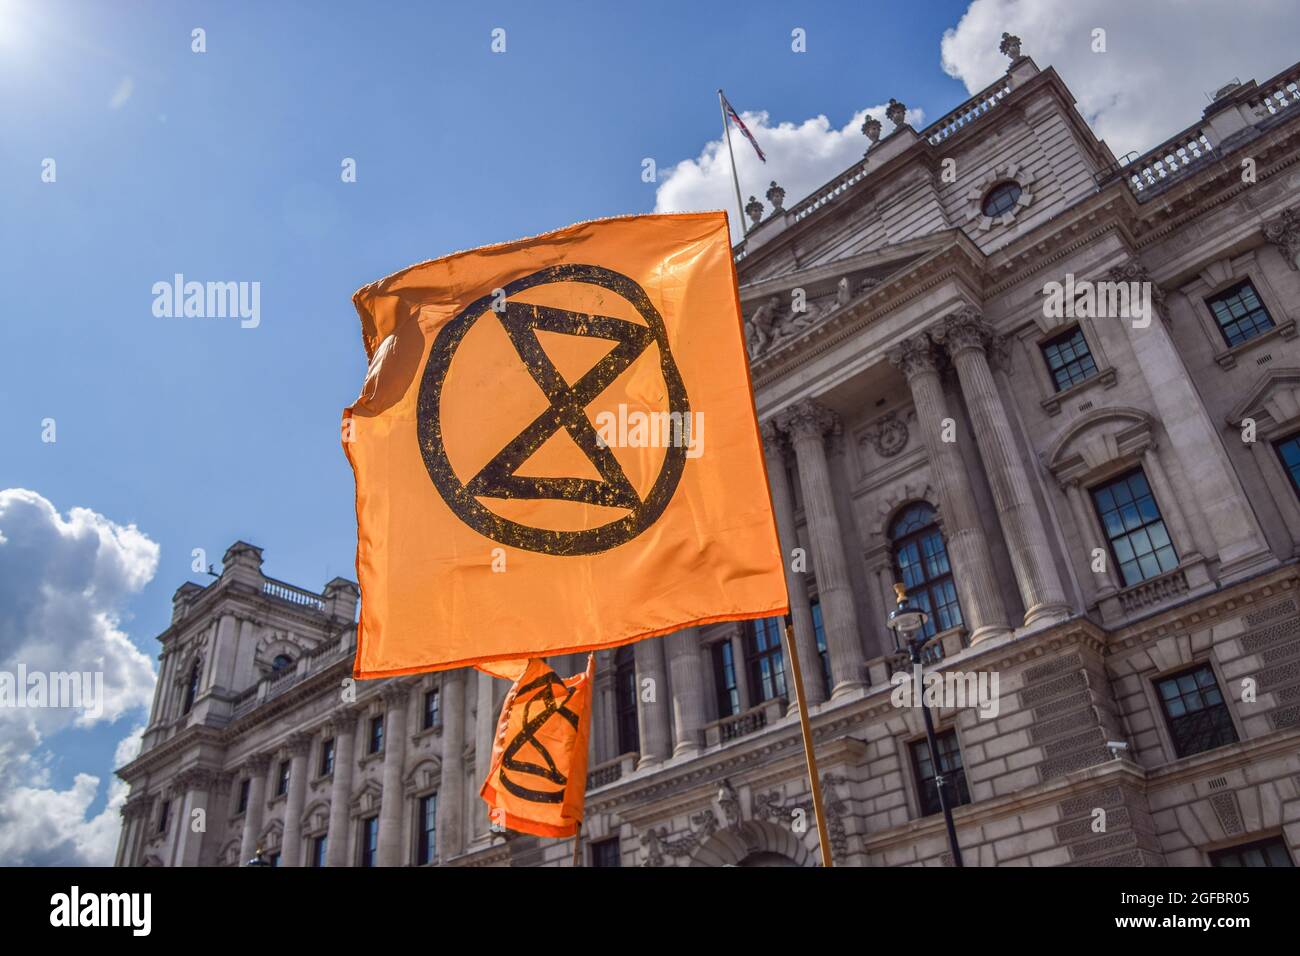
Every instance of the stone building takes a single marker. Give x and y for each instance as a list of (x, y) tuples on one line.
[(961, 386)]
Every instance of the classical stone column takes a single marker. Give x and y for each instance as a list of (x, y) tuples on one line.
[(966, 336), (485, 721), (652, 715), (968, 550), (1214, 488), (687, 669), (299, 746), (451, 789), (193, 789), (395, 697), (603, 715), (805, 637), (736, 637), (256, 767), (807, 424), (1085, 520), (344, 727)]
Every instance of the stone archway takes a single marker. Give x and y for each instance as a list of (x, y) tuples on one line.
[(753, 843)]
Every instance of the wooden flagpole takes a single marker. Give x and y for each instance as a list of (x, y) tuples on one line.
[(809, 756), (577, 846)]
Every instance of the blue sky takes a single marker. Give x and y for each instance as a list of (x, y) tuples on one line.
[(225, 166)]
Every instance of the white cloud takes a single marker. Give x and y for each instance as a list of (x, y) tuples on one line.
[(63, 586), (800, 157), (1162, 59)]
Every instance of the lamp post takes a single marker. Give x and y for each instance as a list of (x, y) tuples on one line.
[(907, 621), (257, 859)]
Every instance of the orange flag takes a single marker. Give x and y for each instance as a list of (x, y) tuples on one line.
[(555, 449), (538, 775)]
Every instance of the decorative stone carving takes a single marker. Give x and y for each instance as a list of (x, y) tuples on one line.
[(964, 329), (842, 293), (1133, 271), (914, 356), (807, 418), (760, 327), (657, 844), (1284, 232), (754, 210), (896, 112), (1010, 46), (771, 806), (729, 803), (1014, 172), (773, 437), (776, 196), (887, 435), (871, 130)]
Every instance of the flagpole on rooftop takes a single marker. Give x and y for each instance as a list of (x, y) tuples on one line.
[(735, 180)]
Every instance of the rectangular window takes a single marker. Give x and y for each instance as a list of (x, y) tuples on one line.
[(319, 846), (766, 661), (282, 779), (724, 679), (1289, 452), (1195, 711), (819, 631), (1135, 530), (430, 710), (327, 757), (1068, 359), (164, 813), (1240, 313), (625, 701), (376, 734), (369, 840), (951, 766), (243, 795), (428, 829), (1270, 852), (605, 853)]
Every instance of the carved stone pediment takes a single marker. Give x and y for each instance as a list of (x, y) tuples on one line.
[(1273, 403), (1100, 442)]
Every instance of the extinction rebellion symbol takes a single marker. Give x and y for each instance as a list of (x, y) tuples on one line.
[(566, 409)]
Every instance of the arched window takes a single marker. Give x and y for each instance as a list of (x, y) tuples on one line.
[(192, 688), (282, 662), (1000, 199), (625, 700), (921, 562)]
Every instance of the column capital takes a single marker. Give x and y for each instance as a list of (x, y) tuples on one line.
[(963, 330), (256, 764), (395, 694), (194, 778), (1131, 270), (914, 356), (774, 440), (297, 745), (808, 418)]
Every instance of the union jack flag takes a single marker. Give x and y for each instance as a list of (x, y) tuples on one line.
[(735, 118)]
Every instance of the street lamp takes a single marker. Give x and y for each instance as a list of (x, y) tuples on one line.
[(907, 621), (257, 859)]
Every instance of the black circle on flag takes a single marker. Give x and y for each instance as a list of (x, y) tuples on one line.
[(566, 410)]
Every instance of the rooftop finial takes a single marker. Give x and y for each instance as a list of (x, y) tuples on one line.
[(896, 112), (1010, 46), (754, 209), (776, 196)]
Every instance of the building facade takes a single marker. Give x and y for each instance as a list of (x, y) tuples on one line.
[(1056, 394)]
